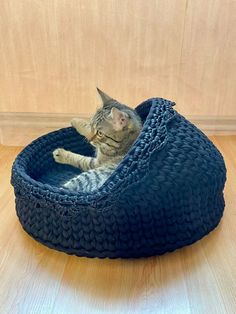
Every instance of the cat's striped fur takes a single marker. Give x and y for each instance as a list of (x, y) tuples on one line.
[(112, 131)]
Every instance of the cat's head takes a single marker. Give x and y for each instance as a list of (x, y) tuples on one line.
[(114, 127)]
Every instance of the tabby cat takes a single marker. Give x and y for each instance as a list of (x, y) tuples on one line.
[(112, 131)]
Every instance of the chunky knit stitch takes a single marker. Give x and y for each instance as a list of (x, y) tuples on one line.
[(165, 194)]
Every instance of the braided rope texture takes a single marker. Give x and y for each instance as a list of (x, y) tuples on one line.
[(165, 194)]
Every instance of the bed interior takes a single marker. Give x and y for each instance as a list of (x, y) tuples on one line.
[(57, 174)]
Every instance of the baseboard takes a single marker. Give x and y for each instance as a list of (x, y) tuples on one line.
[(19, 129), (215, 125)]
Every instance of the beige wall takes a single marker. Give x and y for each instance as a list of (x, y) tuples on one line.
[(54, 52)]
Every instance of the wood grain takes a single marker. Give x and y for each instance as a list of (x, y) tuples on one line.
[(206, 83), (197, 279), (53, 54)]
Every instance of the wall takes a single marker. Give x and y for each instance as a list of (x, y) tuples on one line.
[(54, 53)]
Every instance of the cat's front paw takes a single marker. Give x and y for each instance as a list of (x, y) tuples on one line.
[(76, 122), (82, 126), (60, 155)]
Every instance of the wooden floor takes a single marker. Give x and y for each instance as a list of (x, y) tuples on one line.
[(197, 279)]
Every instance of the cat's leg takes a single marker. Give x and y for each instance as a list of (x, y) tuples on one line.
[(85, 163), (82, 126)]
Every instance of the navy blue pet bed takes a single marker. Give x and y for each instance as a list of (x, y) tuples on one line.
[(165, 194)]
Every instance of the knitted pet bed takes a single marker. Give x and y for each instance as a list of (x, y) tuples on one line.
[(165, 194)]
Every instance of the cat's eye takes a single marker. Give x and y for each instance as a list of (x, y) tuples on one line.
[(99, 133)]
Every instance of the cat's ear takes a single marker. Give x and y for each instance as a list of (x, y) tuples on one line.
[(119, 119), (105, 98)]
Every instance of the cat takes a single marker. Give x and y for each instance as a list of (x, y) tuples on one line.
[(112, 131)]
